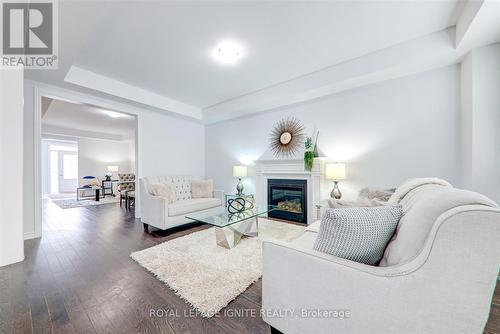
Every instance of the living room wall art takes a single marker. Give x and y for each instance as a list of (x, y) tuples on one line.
[(287, 137)]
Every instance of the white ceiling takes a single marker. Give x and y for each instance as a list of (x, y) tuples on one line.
[(65, 118), (164, 47)]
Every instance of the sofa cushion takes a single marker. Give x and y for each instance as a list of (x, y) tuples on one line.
[(164, 190), (314, 227), (192, 205), (423, 208), (359, 234), (181, 184), (202, 188), (306, 240)]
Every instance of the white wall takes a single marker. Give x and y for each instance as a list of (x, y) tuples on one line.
[(171, 146), (481, 120), (95, 155), (385, 132), (11, 166)]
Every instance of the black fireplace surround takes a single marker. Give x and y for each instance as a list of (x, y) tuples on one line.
[(291, 198)]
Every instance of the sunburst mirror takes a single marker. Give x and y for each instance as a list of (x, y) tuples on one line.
[(286, 137)]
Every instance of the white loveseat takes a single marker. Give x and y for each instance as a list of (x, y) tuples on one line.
[(441, 272), (157, 212)]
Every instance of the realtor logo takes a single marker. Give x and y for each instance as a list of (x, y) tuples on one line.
[(29, 34)]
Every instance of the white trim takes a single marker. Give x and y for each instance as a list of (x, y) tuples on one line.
[(71, 132), (394, 62), (291, 169), (59, 137), (99, 82), (29, 235), (41, 89), (37, 161)]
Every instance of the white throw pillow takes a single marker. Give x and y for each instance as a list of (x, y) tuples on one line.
[(202, 188), (164, 190)]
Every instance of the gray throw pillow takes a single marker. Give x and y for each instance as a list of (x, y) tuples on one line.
[(340, 203), (374, 193), (358, 234)]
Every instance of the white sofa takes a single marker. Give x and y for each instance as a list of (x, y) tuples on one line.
[(157, 212), (443, 269)]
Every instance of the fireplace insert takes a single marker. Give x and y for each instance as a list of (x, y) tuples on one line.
[(290, 196)]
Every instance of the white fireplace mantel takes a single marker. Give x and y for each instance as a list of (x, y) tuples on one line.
[(291, 169)]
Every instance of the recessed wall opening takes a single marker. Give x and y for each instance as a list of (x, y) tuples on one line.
[(82, 150)]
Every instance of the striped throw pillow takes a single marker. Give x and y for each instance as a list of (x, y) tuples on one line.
[(359, 234)]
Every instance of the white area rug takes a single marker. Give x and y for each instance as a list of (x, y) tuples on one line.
[(208, 276), (70, 203)]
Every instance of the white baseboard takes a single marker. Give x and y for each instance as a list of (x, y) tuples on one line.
[(29, 235)]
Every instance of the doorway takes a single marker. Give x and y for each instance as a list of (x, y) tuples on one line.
[(102, 133), (68, 171), (59, 167)]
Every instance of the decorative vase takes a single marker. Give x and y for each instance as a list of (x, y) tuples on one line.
[(316, 154), (308, 160)]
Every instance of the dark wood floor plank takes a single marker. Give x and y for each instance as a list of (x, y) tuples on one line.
[(242, 316), (254, 293), (493, 325), (5, 318), (100, 321), (80, 320), (496, 296), (40, 314), (21, 323)]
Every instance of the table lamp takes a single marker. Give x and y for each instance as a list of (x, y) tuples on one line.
[(111, 170), (239, 172), (335, 172)]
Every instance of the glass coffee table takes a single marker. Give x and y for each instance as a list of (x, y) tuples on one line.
[(230, 228)]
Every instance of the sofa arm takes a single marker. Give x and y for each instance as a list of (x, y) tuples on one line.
[(220, 195), (299, 280), (153, 208), (287, 249)]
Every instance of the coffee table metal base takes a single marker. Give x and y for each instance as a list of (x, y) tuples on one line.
[(229, 236)]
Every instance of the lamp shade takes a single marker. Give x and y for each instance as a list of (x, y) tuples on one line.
[(112, 168), (239, 171), (335, 171)]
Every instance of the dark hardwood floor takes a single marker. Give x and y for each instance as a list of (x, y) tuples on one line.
[(79, 278)]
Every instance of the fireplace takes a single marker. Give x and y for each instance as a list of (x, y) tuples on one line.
[(290, 196)]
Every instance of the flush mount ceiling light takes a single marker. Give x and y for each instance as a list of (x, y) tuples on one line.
[(113, 114), (228, 52)]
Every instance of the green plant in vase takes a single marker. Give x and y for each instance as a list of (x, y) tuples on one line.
[(308, 154)]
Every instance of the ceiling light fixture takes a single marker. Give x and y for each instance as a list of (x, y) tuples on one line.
[(228, 52), (113, 114)]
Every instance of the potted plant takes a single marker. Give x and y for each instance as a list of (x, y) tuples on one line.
[(311, 152)]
